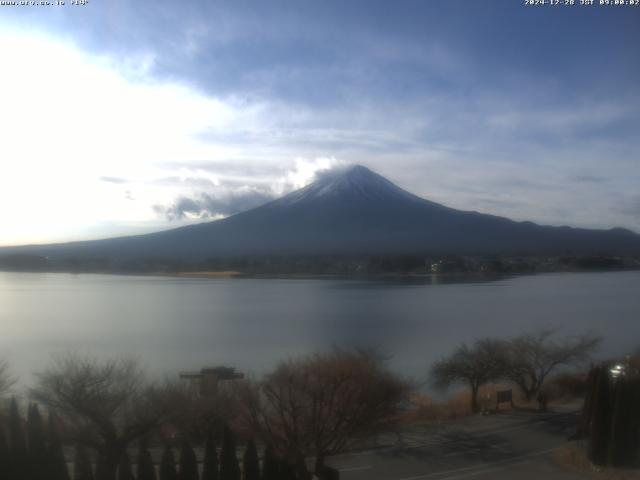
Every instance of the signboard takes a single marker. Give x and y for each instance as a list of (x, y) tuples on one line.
[(504, 396)]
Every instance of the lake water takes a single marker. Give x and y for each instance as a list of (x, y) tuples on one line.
[(174, 324)]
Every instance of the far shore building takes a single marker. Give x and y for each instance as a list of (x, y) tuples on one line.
[(206, 381)]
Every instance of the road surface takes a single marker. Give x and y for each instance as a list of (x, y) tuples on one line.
[(510, 445)]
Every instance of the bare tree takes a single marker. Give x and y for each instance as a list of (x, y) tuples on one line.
[(319, 405), (474, 365), (105, 404), (533, 356), (195, 415), (6, 380)]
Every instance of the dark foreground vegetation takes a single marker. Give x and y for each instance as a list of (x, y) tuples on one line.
[(307, 408), (106, 420), (610, 420), (38, 454), (325, 264)]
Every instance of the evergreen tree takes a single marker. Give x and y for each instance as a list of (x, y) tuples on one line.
[(287, 472), (229, 467), (188, 463), (37, 445), (4, 456), (634, 421), (124, 468), (55, 453), (250, 462), (102, 471), (19, 459), (82, 464), (584, 422), (619, 421), (625, 436), (611, 418), (599, 431), (168, 465), (270, 470), (146, 470), (210, 468)]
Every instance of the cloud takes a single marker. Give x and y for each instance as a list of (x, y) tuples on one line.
[(588, 178), (629, 206), (194, 107), (113, 179), (326, 54), (206, 206), (243, 167), (228, 195), (192, 182)]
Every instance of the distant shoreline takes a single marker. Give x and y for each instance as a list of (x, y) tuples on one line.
[(417, 267), (435, 278), (402, 277)]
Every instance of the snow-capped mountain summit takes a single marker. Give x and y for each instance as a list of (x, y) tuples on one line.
[(351, 211), (349, 183)]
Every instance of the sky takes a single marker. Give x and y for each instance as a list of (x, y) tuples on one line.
[(121, 117)]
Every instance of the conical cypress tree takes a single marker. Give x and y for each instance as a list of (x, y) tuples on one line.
[(270, 467), (16, 433), (55, 453), (124, 468), (287, 472), (188, 463), (38, 467), (19, 459), (634, 422), (586, 415), (250, 462), (619, 419), (229, 467), (210, 467), (601, 418), (168, 465), (623, 448), (102, 472), (4, 456), (82, 464), (146, 471)]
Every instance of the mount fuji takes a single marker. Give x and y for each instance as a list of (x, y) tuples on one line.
[(346, 212)]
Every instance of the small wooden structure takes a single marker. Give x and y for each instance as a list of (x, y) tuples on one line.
[(206, 381)]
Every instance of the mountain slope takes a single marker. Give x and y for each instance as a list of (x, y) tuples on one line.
[(353, 211)]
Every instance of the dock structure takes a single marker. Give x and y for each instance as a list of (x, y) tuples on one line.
[(206, 381)]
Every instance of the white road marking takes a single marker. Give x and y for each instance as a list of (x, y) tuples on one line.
[(354, 469), (481, 472)]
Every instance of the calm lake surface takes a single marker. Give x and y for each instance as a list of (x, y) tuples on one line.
[(174, 324)]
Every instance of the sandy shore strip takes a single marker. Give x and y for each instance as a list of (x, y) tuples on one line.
[(219, 274)]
